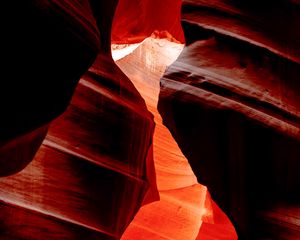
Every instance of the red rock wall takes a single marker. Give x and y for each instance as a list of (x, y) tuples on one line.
[(95, 168), (138, 19), (231, 101)]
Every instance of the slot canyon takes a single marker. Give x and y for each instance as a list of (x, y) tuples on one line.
[(150, 120)]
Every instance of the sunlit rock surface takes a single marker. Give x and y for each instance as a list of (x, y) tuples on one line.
[(184, 203), (231, 101), (182, 200)]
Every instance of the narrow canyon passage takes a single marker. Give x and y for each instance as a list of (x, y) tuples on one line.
[(219, 117), (184, 203)]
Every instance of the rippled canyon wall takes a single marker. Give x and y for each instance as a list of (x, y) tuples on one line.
[(193, 133)]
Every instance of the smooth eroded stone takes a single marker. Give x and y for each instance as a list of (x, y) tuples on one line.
[(232, 104), (95, 168)]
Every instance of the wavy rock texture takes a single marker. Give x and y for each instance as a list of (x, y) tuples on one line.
[(181, 204), (231, 101), (184, 204), (95, 168)]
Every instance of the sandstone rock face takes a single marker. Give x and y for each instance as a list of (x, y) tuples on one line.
[(95, 168), (229, 107), (92, 172), (231, 101), (182, 199)]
